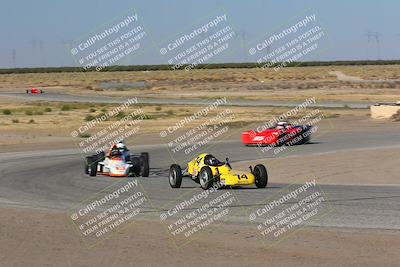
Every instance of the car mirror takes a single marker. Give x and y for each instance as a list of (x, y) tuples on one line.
[(227, 160)]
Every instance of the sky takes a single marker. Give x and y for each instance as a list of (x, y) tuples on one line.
[(41, 33)]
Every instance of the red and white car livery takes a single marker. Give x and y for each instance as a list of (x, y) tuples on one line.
[(283, 133), (34, 91)]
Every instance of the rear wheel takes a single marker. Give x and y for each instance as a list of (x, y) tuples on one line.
[(144, 165), (261, 175), (175, 176), (135, 170), (145, 155), (280, 140), (305, 135), (206, 178)]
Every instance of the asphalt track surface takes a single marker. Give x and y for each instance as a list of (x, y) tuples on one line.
[(54, 180), (118, 100)]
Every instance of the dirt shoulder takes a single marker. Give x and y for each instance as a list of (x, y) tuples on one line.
[(39, 238)]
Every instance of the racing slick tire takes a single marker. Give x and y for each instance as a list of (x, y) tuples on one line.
[(281, 140), (206, 178), (135, 171), (100, 156), (88, 159), (175, 176), (261, 175), (144, 165), (146, 156), (92, 166), (305, 135)]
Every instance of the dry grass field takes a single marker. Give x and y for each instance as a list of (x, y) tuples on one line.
[(375, 83), (29, 122)]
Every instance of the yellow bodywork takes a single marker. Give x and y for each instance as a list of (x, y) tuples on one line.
[(224, 173)]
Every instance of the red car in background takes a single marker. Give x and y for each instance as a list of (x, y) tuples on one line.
[(283, 133), (34, 91)]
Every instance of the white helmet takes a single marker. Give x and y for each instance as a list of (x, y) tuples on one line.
[(121, 145)]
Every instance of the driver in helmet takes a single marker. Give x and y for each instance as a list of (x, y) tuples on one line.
[(211, 160), (118, 149), (281, 125), (121, 146)]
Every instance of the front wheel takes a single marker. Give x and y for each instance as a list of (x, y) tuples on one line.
[(87, 161), (206, 178), (261, 175), (100, 156), (175, 176)]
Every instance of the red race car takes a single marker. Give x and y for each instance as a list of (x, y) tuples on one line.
[(283, 133), (34, 91)]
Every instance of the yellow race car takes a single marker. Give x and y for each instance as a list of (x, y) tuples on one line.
[(208, 170)]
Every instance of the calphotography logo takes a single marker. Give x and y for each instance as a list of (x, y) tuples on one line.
[(199, 45), (294, 207), (186, 219), (196, 132), (101, 132), (112, 44), (290, 45), (107, 211)]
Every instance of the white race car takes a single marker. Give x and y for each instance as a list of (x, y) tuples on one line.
[(118, 162)]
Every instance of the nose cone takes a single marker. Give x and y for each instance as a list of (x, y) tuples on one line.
[(247, 136), (120, 168)]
